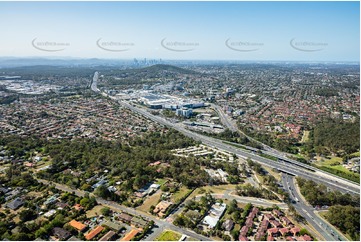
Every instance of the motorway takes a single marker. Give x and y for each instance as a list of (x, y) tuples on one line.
[(291, 166), (308, 212), (318, 176), (94, 83), (225, 119), (160, 223), (228, 122)]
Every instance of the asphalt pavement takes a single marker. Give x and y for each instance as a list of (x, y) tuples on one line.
[(319, 176), (308, 212)]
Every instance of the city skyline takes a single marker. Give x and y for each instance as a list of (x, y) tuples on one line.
[(240, 31)]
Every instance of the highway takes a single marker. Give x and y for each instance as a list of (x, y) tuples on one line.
[(318, 176), (163, 224), (291, 166), (308, 212), (94, 83), (225, 121), (228, 122), (266, 149)]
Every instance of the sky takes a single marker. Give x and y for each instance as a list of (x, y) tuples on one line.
[(256, 31)]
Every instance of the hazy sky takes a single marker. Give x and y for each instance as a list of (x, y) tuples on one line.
[(296, 31)]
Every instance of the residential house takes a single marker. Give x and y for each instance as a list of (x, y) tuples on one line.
[(138, 222), (259, 236), (272, 232), (108, 236), (15, 204), (269, 216), (284, 231), (249, 222), (50, 213), (270, 238), (61, 205), (126, 218), (61, 234), (94, 232), (78, 207), (77, 225), (243, 238), (285, 221), (228, 225), (277, 213), (264, 224), (51, 200), (73, 238), (295, 231), (161, 208), (129, 236), (214, 214), (244, 231), (275, 224), (113, 225), (304, 238)]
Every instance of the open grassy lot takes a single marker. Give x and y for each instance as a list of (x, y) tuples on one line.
[(328, 162), (305, 136), (94, 211), (176, 197), (169, 235), (160, 181), (151, 200), (356, 154), (334, 163)]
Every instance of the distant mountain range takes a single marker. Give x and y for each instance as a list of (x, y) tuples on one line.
[(6, 62), (159, 68)]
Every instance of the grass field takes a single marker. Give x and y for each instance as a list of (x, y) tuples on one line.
[(161, 181), (94, 211), (356, 154), (328, 162), (305, 136), (176, 197), (333, 163), (169, 235), (151, 200)]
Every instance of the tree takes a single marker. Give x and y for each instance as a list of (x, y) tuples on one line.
[(40, 233), (151, 209), (105, 211), (27, 215), (179, 221), (84, 202), (102, 192), (235, 234)]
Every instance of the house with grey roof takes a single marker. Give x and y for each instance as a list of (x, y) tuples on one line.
[(15, 204)]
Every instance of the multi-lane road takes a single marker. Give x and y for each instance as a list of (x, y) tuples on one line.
[(290, 166), (308, 213), (317, 176), (160, 223), (283, 164), (228, 122)]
